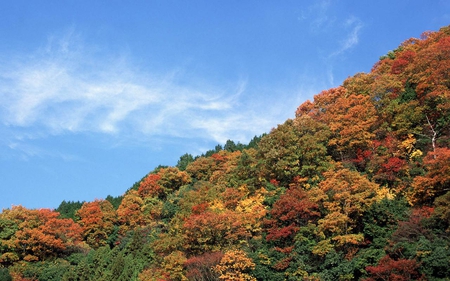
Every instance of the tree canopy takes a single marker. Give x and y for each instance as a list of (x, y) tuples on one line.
[(355, 187)]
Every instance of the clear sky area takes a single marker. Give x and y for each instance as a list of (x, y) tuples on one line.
[(96, 94)]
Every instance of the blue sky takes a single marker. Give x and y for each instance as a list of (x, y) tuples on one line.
[(95, 94)]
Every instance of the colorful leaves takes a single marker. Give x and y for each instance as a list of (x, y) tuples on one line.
[(321, 197), (149, 187), (389, 269), (235, 265), (97, 219), (436, 180), (292, 210), (201, 267), (130, 213), (36, 234)]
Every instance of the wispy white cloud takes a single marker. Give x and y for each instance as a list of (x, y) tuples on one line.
[(67, 88), (352, 27), (340, 31), (27, 150), (350, 30), (318, 16), (323, 20)]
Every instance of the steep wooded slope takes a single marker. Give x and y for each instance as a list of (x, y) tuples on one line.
[(356, 186)]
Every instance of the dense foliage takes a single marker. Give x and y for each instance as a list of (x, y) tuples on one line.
[(355, 187)]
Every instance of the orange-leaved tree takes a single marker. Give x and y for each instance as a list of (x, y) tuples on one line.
[(130, 213), (37, 235), (235, 265), (98, 220), (436, 181), (349, 194)]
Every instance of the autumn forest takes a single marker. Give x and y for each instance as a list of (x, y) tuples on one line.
[(355, 187)]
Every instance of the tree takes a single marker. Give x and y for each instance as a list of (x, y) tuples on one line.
[(389, 269), (67, 209), (97, 219), (173, 264), (184, 161), (39, 234), (230, 146), (295, 148), (351, 120), (350, 117), (4, 275), (443, 209), (36, 235), (8, 229), (413, 229), (235, 265), (246, 171), (436, 180), (429, 72), (171, 179), (130, 213), (201, 168), (211, 231), (348, 196), (382, 218), (359, 84), (213, 227), (115, 201), (291, 211), (199, 268), (150, 187)]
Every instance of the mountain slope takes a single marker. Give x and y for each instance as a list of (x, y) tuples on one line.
[(356, 186)]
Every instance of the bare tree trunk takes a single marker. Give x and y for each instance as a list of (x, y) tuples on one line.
[(433, 138)]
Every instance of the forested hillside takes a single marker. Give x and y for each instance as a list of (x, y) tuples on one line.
[(355, 187)]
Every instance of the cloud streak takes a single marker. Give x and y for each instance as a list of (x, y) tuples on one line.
[(63, 88), (341, 30), (353, 27)]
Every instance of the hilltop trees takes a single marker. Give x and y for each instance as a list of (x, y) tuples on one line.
[(354, 187), (33, 235)]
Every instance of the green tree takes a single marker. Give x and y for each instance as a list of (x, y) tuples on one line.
[(4, 275), (68, 209), (296, 148), (115, 201), (184, 161)]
